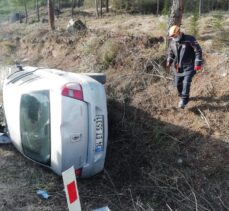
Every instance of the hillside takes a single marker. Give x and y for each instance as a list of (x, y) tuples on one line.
[(159, 157)]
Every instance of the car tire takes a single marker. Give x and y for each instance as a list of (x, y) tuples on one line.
[(100, 77)]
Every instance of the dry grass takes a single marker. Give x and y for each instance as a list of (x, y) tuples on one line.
[(20, 179)]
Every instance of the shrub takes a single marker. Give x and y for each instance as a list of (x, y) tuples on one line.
[(10, 48), (147, 6), (221, 38), (165, 10), (89, 3), (143, 6), (108, 53), (92, 45), (194, 24), (217, 22)]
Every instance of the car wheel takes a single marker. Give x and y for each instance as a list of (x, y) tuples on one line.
[(100, 77)]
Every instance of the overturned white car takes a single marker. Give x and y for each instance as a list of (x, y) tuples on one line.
[(57, 118)]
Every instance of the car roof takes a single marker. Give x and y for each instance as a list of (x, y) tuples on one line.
[(29, 74)]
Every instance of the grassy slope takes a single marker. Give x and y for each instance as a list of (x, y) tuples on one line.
[(158, 156)]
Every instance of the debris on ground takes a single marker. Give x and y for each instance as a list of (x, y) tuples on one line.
[(102, 209), (43, 194), (4, 139)]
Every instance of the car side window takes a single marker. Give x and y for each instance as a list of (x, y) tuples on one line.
[(35, 126)]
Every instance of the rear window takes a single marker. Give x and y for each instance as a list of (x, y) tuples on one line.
[(14, 77), (35, 126)]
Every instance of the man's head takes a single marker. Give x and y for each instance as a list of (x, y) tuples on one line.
[(175, 33)]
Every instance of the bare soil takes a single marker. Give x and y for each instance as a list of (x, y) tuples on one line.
[(159, 157)]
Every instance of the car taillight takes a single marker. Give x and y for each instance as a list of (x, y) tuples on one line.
[(73, 90), (78, 172)]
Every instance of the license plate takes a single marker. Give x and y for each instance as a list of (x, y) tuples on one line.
[(99, 134)]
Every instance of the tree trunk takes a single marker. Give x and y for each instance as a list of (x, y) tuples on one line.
[(101, 8), (38, 10), (158, 2), (74, 3), (176, 13), (51, 14), (26, 13), (107, 6), (200, 7), (73, 6), (212, 6), (96, 8), (175, 16), (58, 5)]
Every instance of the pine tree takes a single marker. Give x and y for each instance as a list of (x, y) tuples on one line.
[(51, 14)]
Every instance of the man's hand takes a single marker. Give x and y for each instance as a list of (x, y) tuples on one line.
[(197, 68), (168, 65)]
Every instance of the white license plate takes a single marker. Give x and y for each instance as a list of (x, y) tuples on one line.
[(99, 145)]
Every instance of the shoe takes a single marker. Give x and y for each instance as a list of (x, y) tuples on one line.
[(181, 104)]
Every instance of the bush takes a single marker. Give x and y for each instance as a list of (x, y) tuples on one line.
[(217, 22), (147, 6), (165, 10), (194, 24), (108, 53), (221, 38), (143, 6), (10, 48), (89, 4)]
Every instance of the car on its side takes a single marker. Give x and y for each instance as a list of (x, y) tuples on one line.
[(57, 118)]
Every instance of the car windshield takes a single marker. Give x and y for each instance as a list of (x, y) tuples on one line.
[(35, 126)]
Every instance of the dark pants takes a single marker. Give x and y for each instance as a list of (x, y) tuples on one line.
[(183, 84)]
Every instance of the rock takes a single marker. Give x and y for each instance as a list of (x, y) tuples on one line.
[(17, 17), (75, 26), (180, 161)]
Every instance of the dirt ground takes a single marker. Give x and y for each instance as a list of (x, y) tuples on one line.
[(159, 157)]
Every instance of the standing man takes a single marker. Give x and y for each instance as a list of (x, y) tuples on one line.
[(186, 55)]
